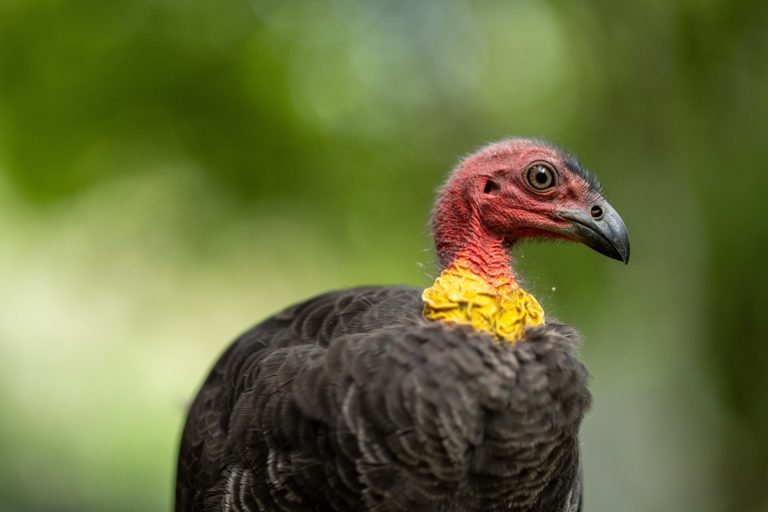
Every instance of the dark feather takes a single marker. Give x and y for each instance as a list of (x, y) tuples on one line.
[(352, 402)]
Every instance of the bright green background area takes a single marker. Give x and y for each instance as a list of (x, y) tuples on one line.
[(171, 172)]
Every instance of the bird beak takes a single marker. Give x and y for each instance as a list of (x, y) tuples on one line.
[(604, 233)]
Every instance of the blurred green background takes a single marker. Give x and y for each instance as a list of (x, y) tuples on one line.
[(171, 172)]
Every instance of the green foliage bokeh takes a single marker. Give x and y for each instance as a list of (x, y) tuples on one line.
[(171, 172)]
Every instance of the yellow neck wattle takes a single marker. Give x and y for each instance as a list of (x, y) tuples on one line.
[(502, 309)]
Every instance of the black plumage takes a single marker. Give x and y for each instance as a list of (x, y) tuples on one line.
[(351, 401)]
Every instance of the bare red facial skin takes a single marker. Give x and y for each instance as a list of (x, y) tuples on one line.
[(487, 205)]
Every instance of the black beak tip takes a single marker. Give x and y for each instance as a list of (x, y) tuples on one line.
[(624, 257), (612, 251), (621, 244), (616, 247), (619, 248)]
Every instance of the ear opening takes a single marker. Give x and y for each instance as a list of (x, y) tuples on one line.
[(491, 187)]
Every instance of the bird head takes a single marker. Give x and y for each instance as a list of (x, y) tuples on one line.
[(521, 189)]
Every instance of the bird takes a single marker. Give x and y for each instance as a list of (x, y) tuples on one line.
[(461, 396)]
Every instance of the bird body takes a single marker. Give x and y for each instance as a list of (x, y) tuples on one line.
[(455, 398)]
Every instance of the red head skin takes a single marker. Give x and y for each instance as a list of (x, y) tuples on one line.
[(478, 223)]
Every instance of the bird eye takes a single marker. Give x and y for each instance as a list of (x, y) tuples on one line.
[(540, 176)]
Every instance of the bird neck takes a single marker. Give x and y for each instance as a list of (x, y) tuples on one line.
[(478, 287)]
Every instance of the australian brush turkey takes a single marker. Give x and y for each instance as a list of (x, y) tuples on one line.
[(460, 397)]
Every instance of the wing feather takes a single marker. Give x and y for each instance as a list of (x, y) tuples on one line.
[(351, 401)]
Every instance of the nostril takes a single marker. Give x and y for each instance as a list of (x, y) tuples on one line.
[(596, 212)]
